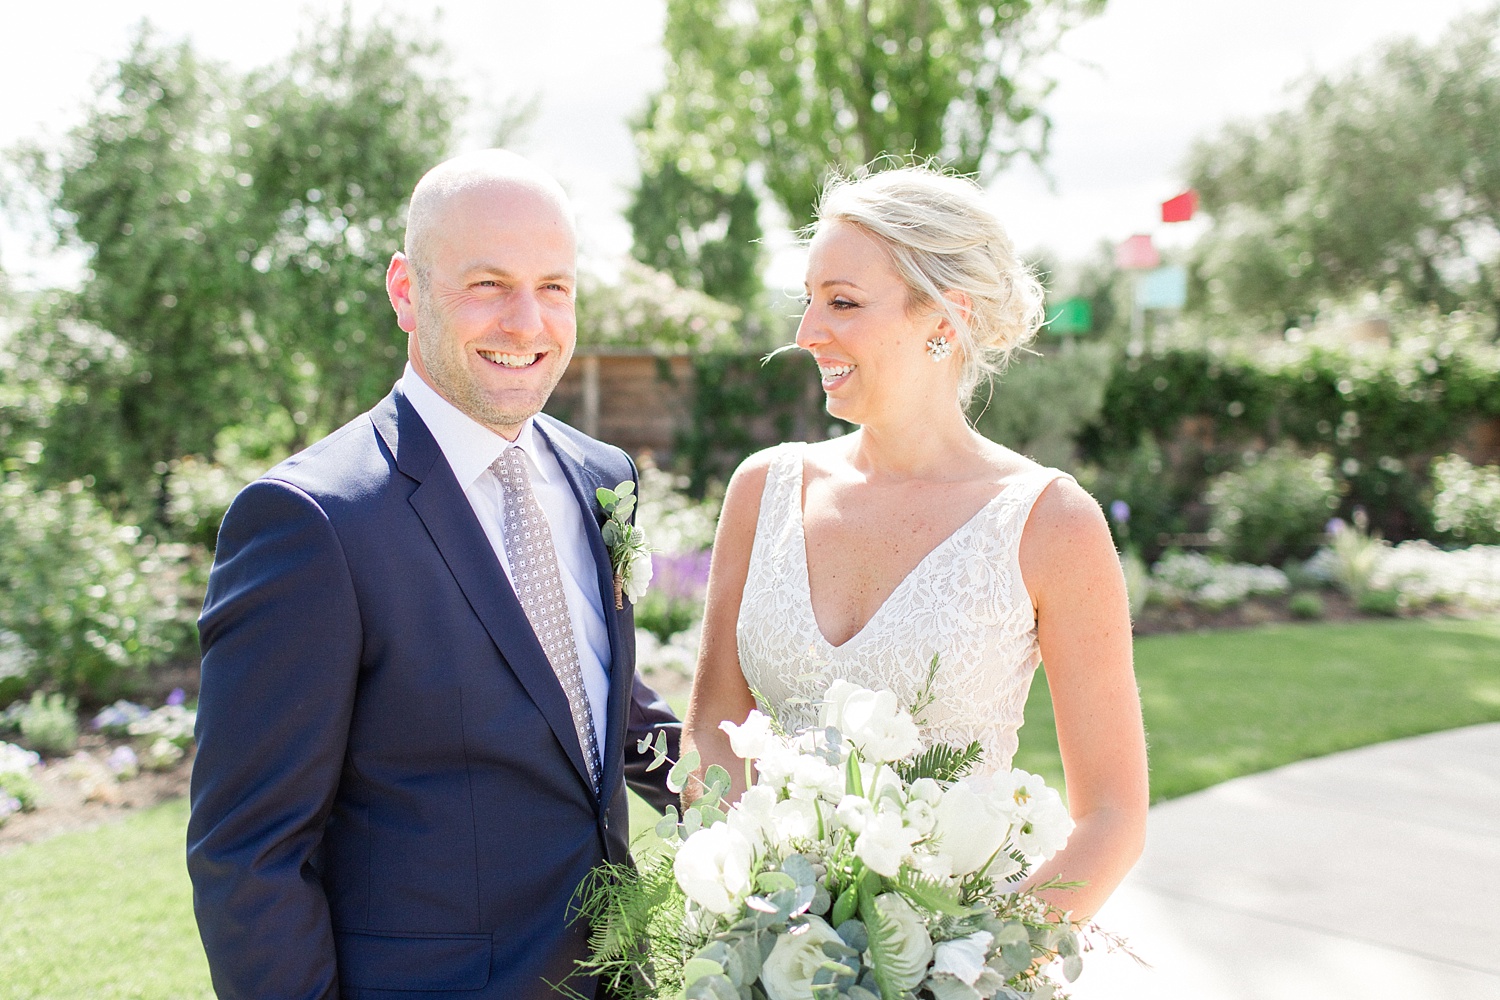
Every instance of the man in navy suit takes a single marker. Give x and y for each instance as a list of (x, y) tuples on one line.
[(398, 788)]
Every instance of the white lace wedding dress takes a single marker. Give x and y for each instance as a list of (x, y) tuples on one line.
[(965, 601)]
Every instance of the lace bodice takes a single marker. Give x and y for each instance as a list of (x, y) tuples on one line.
[(965, 601)]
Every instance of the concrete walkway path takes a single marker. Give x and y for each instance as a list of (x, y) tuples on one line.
[(1365, 875)]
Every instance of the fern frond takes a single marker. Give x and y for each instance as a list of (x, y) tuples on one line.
[(942, 762), (931, 894)]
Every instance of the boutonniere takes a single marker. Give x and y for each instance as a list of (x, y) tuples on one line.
[(629, 555)]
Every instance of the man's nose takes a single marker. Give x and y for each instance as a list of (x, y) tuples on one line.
[(522, 313)]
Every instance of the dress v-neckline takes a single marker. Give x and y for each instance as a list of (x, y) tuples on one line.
[(796, 499)]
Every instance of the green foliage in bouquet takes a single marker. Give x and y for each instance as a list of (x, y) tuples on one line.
[(833, 877)]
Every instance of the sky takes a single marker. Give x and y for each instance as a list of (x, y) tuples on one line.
[(1136, 87)]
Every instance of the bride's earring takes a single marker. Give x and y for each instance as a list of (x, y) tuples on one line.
[(939, 348)]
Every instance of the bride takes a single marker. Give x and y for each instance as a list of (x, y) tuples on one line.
[(864, 556)]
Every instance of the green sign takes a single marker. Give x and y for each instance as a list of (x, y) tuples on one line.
[(1070, 317)]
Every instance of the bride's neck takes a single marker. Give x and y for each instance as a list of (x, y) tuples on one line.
[(940, 447)]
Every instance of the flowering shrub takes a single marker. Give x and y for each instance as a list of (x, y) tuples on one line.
[(18, 788), (89, 598), (678, 655), (1191, 578), (1466, 502), (1274, 507), (1422, 574), (115, 720)]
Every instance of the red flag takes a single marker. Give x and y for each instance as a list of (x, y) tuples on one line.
[(1180, 208), (1137, 254)]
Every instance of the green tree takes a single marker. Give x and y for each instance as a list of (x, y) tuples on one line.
[(1385, 176), (238, 230), (785, 92)]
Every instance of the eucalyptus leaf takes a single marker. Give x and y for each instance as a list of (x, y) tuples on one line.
[(667, 825), (769, 882), (1072, 967), (857, 992), (1013, 934), (607, 498), (821, 901), (697, 967), (677, 778), (1017, 956), (712, 988), (762, 905), (626, 488), (800, 869), (692, 822), (852, 932)]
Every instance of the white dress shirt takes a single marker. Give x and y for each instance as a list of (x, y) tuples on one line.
[(471, 448)]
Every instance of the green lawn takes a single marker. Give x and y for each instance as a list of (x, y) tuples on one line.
[(103, 914), (106, 913), (1222, 704)]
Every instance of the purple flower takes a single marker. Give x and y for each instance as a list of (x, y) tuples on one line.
[(680, 576), (122, 760), (8, 804), (117, 718), (1335, 527), (177, 697), (1119, 511)]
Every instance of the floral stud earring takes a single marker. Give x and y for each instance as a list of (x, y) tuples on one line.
[(939, 348)]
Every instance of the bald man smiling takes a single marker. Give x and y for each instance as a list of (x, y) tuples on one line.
[(419, 705)]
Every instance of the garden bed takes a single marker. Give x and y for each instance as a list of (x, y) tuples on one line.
[(66, 803)]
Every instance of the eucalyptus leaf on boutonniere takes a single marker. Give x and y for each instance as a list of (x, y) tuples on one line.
[(629, 554)]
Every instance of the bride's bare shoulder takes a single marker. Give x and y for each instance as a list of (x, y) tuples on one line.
[(742, 497)]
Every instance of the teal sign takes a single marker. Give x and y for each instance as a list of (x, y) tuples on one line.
[(1071, 317)]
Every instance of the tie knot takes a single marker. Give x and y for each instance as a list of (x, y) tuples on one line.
[(510, 465)]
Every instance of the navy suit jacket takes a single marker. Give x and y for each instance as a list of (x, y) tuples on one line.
[(389, 799)]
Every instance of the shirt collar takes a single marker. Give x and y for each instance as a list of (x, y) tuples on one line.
[(469, 446)]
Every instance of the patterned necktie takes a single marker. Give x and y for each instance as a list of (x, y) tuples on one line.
[(538, 583)]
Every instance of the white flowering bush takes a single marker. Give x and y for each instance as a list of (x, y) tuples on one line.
[(1422, 574), (677, 656), (1193, 578), (675, 522), (858, 865), (18, 787), (1466, 501)]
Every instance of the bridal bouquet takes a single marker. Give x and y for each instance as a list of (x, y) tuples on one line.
[(855, 867)]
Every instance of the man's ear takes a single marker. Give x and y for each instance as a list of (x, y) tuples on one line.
[(399, 288)]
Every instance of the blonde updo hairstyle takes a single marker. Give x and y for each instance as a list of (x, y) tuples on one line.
[(942, 237)]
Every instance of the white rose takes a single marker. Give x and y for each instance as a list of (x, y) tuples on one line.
[(788, 971), (971, 827), (871, 720), (908, 947), (884, 842), (775, 765), (921, 817), (715, 867), (636, 574), (752, 738)]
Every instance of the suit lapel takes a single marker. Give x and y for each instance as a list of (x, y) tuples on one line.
[(584, 481), (446, 513)]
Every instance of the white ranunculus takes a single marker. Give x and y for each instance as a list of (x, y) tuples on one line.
[(1046, 824), (752, 816), (926, 790), (775, 765), (908, 946), (636, 574), (795, 821), (715, 867), (971, 827), (884, 842), (788, 971), (815, 778), (752, 738), (854, 813), (871, 720), (963, 958), (921, 817)]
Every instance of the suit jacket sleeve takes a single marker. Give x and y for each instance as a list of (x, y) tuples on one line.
[(281, 639), (650, 714)]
